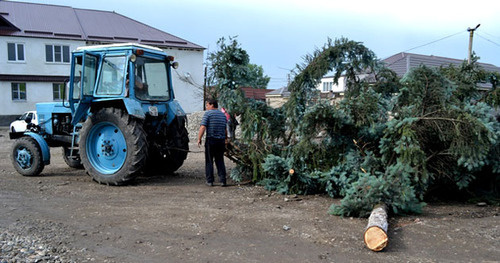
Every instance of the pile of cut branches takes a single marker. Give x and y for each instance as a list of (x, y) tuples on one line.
[(390, 140)]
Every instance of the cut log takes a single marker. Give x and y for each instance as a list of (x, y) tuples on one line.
[(376, 231)]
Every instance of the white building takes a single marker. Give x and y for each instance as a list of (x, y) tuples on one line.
[(36, 41), (327, 85)]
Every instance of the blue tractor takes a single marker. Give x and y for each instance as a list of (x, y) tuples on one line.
[(120, 118)]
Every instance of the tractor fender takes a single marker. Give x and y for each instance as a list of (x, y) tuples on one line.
[(134, 108), (131, 106), (43, 145), (174, 110)]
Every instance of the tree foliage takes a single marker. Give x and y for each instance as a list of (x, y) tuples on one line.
[(230, 67), (389, 140)]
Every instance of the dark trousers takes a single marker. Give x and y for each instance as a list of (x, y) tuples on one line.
[(214, 150)]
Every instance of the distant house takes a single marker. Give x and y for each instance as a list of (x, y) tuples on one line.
[(256, 94), (36, 41), (401, 64), (277, 97)]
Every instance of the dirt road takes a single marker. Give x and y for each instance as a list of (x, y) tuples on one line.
[(179, 219)]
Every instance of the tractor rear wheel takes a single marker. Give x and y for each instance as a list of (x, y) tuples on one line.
[(174, 150), (72, 161), (179, 148), (27, 157), (113, 146)]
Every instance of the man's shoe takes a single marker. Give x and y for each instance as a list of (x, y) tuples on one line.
[(209, 184), (223, 184)]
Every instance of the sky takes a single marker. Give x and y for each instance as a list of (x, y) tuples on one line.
[(277, 34)]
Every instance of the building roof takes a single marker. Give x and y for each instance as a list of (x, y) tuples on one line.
[(64, 22), (281, 92), (117, 46), (402, 62), (253, 93)]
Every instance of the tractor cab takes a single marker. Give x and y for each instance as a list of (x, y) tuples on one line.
[(120, 72)]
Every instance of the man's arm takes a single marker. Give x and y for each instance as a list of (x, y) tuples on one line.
[(200, 133)]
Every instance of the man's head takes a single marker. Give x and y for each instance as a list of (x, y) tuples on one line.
[(213, 103)]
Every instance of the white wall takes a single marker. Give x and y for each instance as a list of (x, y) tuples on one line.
[(35, 92), (188, 78), (335, 88), (341, 87), (34, 56), (34, 64)]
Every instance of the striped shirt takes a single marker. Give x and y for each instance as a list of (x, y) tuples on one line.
[(215, 122)]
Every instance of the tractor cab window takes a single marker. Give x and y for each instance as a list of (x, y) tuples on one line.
[(112, 76), (77, 78), (151, 81), (89, 75)]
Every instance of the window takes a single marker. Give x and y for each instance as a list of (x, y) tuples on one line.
[(31, 116), (77, 77), (112, 75), (18, 91), (151, 75), (58, 91), (89, 74), (15, 51), (327, 86), (57, 54)]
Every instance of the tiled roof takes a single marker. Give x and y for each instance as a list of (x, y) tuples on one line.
[(402, 62), (64, 22), (253, 93)]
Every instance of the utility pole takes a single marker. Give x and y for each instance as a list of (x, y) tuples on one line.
[(471, 35), (205, 89)]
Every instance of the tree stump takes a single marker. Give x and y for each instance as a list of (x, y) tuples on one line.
[(376, 231)]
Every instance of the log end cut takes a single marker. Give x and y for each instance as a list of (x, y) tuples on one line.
[(376, 238)]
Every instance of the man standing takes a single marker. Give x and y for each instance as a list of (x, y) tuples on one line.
[(214, 123)]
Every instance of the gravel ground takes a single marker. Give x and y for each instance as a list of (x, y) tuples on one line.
[(193, 125), (36, 241)]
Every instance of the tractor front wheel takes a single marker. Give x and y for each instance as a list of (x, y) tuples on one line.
[(27, 157), (113, 146)]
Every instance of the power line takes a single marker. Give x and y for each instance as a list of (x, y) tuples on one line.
[(435, 41), (495, 43), (484, 32)]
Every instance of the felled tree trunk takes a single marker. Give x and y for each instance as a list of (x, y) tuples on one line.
[(376, 231)]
